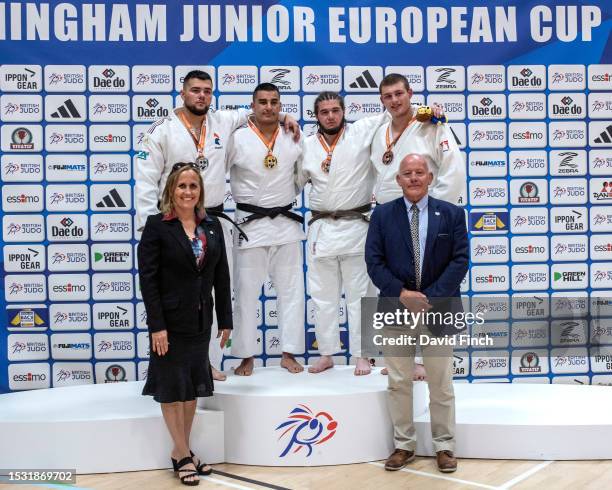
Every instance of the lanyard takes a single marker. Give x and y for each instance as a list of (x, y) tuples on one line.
[(199, 144)]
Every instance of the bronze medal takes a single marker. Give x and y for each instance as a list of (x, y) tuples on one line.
[(387, 157), (270, 161), (325, 164)]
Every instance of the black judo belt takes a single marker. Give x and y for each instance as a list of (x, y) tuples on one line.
[(257, 212), (355, 213), (218, 212)]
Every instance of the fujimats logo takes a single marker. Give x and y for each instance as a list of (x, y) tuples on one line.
[(305, 429)]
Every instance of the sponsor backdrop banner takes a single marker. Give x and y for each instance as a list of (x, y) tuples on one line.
[(527, 86)]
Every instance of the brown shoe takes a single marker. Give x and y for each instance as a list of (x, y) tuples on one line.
[(399, 459), (447, 463)]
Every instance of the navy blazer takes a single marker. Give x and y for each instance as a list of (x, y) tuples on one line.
[(389, 253), (177, 293)]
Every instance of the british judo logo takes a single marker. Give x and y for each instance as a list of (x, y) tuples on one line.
[(305, 429)]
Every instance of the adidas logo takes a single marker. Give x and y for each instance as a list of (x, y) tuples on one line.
[(66, 111), (605, 136), (111, 200), (365, 80)]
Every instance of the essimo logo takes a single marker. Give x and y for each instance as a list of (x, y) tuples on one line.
[(490, 278), (69, 287), (109, 137)]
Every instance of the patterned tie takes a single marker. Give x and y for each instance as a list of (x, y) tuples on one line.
[(416, 246)]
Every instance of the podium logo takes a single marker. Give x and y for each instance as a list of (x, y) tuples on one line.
[(303, 429)]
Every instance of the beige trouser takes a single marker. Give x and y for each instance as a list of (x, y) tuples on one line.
[(438, 362)]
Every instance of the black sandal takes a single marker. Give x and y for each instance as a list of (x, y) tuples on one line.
[(200, 466), (188, 473)]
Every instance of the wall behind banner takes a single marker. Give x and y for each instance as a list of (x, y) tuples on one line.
[(527, 87)]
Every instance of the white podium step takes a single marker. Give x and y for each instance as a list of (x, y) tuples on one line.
[(102, 428), (274, 418), (501, 421)]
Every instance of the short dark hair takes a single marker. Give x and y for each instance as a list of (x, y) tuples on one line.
[(199, 74), (328, 96), (392, 79), (266, 87)]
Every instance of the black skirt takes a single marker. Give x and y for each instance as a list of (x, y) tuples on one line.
[(183, 374)]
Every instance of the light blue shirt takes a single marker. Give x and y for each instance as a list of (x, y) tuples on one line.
[(423, 222)]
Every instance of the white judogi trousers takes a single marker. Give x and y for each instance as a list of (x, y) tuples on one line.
[(283, 264), (326, 276)]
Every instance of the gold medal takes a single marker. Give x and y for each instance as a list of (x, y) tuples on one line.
[(270, 161), (325, 164), (387, 157)]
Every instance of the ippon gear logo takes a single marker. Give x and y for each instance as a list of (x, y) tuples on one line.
[(305, 429)]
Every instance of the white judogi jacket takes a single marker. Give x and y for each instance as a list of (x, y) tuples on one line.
[(252, 183), (167, 142), (437, 144), (348, 185)]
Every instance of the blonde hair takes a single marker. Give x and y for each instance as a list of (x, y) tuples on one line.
[(167, 205)]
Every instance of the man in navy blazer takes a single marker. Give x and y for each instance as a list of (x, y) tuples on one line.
[(417, 252)]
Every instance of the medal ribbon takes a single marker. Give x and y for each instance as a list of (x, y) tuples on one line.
[(329, 149), (391, 144), (199, 144), (269, 144)]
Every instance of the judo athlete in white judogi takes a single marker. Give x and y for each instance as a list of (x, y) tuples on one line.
[(336, 160), (262, 161), (192, 133), (404, 135)]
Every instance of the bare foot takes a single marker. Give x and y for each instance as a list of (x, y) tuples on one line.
[(218, 375), (290, 364), (323, 363), (419, 373), (362, 367), (246, 367)]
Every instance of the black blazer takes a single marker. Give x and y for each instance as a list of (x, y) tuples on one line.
[(174, 289)]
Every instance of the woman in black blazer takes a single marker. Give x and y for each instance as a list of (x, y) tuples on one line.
[(181, 258)]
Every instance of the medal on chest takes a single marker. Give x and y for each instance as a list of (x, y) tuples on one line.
[(329, 149), (388, 155), (270, 161), (201, 160)]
